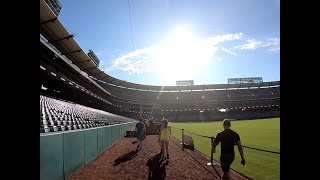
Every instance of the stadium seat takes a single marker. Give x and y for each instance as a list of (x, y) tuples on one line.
[(62, 128), (46, 129), (55, 128)]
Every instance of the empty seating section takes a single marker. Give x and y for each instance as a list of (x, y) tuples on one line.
[(57, 115)]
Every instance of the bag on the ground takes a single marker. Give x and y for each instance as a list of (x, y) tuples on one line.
[(130, 134), (188, 142)]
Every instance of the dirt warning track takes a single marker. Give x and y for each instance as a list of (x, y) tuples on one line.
[(123, 162)]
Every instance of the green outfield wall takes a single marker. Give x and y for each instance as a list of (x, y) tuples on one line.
[(64, 153)]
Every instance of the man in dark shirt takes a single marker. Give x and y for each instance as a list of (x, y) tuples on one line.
[(140, 132), (228, 138)]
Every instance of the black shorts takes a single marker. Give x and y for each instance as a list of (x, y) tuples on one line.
[(225, 161), (140, 135)]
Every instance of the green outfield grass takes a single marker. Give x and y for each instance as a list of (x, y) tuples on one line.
[(262, 134)]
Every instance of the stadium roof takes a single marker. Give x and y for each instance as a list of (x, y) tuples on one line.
[(52, 29)]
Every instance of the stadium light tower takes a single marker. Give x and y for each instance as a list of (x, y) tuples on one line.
[(55, 6), (93, 57)]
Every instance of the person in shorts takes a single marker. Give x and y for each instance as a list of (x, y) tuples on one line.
[(164, 136), (141, 133), (228, 138)]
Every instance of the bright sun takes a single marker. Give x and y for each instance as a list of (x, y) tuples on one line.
[(182, 55)]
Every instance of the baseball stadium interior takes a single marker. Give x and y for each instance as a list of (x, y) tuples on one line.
[(76, 95)]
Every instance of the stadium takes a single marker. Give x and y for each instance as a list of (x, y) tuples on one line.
[(85, 115)]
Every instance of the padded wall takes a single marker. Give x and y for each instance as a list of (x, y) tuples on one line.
[(64, 153)]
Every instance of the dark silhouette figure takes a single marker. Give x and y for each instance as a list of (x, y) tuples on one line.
[(157, 167), (125, 157)]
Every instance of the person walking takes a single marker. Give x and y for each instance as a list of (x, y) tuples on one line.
[(164, 136), (228, 138), (141, 133)]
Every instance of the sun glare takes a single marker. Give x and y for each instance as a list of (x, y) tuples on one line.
[(182, 55)]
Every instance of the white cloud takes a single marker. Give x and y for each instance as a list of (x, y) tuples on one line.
[(226, 37), (272, 44), (228, 51), (132, 62), (146, 59), (250, 45), (175, 54)]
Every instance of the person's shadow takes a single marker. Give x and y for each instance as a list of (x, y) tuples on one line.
[(157, 167), (125, 157)]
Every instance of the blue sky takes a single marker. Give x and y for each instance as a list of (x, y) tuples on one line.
[(205, 41)]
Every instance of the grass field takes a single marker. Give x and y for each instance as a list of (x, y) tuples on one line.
[(262, 133)]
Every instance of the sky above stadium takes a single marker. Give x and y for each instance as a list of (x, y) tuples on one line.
[(205, 41)]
